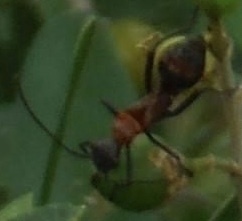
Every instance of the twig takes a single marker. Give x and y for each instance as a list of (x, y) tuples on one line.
[(221, 47), (82, 48)]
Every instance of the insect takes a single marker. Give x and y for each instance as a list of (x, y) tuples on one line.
[(179, 67), (175, 67), (178, 64), (174, 64), (139, 195)]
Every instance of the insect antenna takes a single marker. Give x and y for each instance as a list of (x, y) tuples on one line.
[(109, 107), (83, 154)]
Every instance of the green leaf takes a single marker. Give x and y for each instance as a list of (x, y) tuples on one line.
[(138, 196), (159, 13), (189, 205), (20, 20), (54, 212), (21, 205), (54, 7), (218, 8)]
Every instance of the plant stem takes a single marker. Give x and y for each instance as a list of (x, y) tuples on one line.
[(221, 46), (226, 210), (81, 52)]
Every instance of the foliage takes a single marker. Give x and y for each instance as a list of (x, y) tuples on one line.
[(47, 49)]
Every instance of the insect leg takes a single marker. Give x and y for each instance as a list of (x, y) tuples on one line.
[(182, 106), (162, 146), (169, 151), (129, 165)]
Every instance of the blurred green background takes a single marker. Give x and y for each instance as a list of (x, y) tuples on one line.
[(38, 41)]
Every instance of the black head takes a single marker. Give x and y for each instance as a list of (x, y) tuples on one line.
[(104, 154), (182, 65)]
